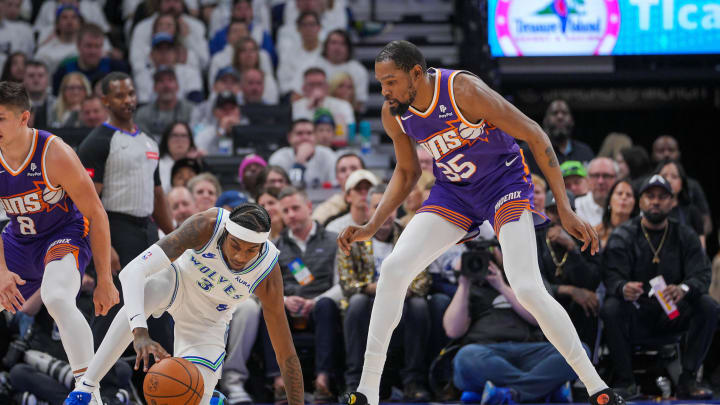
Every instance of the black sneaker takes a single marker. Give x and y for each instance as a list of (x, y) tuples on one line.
[(607, 397), (355, 398), (692, 390)]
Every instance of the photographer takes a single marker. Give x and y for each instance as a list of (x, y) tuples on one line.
[(504, 355), (572, 275)]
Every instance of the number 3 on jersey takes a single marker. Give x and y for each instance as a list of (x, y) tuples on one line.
[(27, 226), (456, 171)]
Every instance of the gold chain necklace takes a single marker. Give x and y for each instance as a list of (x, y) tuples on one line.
[(558, 264), (656, 252)]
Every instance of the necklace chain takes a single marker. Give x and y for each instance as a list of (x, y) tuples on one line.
[(558, 264), (656, 252)]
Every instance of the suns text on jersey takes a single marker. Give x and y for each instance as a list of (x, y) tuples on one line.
[(29, 202), (455, 136)]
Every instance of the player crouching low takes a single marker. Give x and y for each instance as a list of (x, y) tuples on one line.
[(198, 274)]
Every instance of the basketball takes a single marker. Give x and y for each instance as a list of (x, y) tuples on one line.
[(52, 197), (173, 381)]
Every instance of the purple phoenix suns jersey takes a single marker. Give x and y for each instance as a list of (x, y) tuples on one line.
[(35, 207), (480, 170)]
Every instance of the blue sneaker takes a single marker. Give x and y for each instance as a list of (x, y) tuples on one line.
[(470, 397), (493, 395), (78, 398), (218, 398), (562, 394)]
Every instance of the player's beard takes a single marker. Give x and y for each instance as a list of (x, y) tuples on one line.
[(402, 108)]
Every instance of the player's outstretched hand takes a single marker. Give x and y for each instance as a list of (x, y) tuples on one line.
[(352, 234), (581, 230), (10, 297), (144, 347), (105, 297)]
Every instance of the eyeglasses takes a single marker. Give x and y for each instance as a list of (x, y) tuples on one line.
[(604, 176)]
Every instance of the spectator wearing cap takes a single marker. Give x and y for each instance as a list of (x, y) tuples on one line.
[(249, 170), (324, 127), (63, 43), (194, 31), (164, 55), (242, 10), (337, 57), (306, 162), (575, 176), (46, 18), (602, 174), (216, 138), (92, 112), (572, 276), (315, 95), (182, 205), (238, 31), (336, 205), (183, 170), (90, 60), (15, 36), (227, 79), (247, 56), (252, 84), (167, 108), (176, 143), (230, 199), (356, 190), (296, 53), (637, 251)]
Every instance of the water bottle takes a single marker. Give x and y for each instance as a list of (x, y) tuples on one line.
[(365, 145), (663, 383), (352, 131)]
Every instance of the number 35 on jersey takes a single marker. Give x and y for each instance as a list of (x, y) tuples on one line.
[(445, 144)]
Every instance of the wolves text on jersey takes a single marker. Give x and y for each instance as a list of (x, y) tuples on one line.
[(213, 278)]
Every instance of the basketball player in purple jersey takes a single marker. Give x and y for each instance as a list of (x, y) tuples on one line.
[(480, 172), (53, 207)]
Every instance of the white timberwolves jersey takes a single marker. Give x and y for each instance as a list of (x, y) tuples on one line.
[(211, 285)]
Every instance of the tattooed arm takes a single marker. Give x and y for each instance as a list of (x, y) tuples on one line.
[(478, 101), (194, 233), (270, 293)]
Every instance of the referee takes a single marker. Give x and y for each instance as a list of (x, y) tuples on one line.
[(123, 163)]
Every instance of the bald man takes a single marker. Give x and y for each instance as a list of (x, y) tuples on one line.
[(602, 174), (182, 204)]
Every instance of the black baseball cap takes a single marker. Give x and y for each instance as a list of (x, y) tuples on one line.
[(224, 98), (656, 180)]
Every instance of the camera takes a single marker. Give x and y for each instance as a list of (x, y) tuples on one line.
[(475, 261), (16, 350)]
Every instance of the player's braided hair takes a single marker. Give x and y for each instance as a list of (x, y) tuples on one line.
[(251, 216)]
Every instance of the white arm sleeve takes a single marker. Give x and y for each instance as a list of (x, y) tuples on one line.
[(132, 278)]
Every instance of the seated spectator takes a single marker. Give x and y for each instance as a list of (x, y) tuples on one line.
[(356, 192), (215, 138), (230, 199), (226, 80), (269, 199), (182, 205), (638, 164), (358, 279), (47, 16), (504, 356), (295, 56), (273, 176), (62, 44), (666, 147), (183, 170), (559, 125), (249, 170), (15, 36), (285, 16), (324, 127), (167, 108), (193, 34), (205, 189), (683, 210), (92, 112), (242, 10), (14, 68), (336, 205), (539, 191), (337, 57), (621, 206), (237, 31), (190, 52), (252, 85), (417, 195), (307, 260), (575, 177), (164, 55), (571, 276), (341, 86), (306, 162), (176, 143), (613, 143), (36, 82), (73, 90), (246, 56), (602, 173), (315, 95), (637, 251), (90, 60)]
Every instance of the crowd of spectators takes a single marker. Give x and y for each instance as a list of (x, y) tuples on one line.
[(160, 94)]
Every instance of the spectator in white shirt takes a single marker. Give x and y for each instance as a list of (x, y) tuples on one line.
[(343, 87), (164, 53), (73, 90), (602, 173), (226, 80), (90, 10), (246, 57), (92, 112), (216, 138), (242, 10), (357, 186), (14, 35), (315, 95), (330, 18), (307, 163), (295, 56), (252, 86), (191, 30), (63, 43), (337, 57)]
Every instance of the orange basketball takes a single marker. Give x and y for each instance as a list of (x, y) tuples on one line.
[(173, 381)]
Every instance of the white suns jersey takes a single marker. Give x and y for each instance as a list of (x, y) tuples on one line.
[(211, 285)]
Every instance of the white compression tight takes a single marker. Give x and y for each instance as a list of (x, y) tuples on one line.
[(60, 285), (425, 238)]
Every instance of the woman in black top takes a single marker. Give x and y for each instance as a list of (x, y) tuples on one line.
[(683, 210)]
